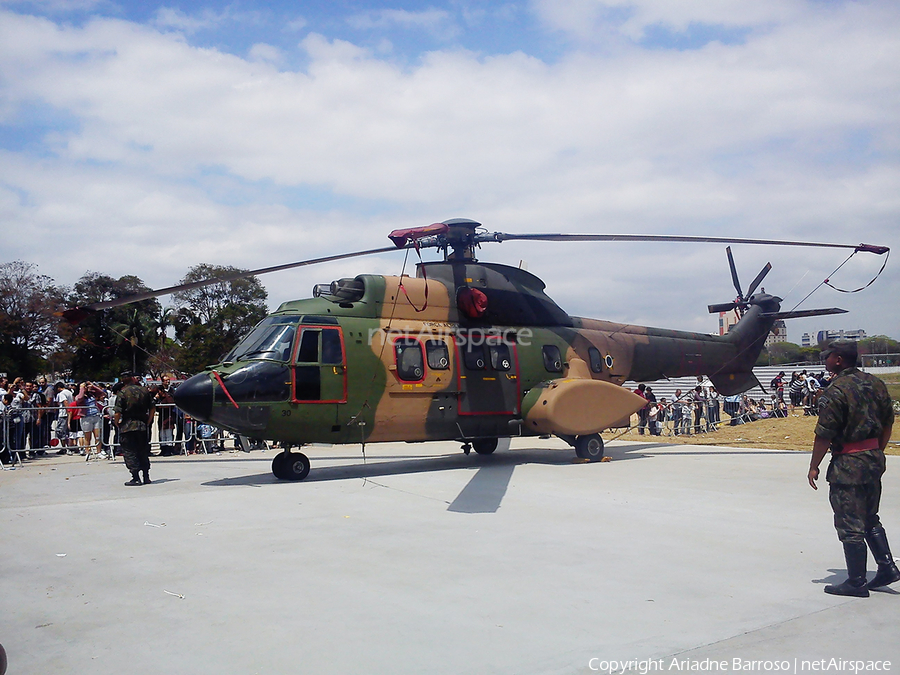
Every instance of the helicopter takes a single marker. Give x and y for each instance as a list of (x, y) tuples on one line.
[(464, 350)]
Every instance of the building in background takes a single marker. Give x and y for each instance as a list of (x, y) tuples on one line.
[(727, 320), (813, 340), (777, 334)]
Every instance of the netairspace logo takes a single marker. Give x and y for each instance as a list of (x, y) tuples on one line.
[(738, 665)]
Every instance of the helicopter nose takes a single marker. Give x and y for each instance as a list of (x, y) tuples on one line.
[(195, 396)]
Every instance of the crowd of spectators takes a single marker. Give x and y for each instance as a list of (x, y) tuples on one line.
[(695, 411), (38, 416), (698, 410)]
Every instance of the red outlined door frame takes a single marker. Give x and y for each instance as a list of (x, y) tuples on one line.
[(464, 377), (321, 366)]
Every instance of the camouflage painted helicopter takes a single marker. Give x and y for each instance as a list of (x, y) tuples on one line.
[(465, 350)]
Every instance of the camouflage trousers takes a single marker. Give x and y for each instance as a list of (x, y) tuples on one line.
[(136, 450), (855, 510)]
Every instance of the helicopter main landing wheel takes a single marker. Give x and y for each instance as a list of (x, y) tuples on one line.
[(290, 466), (484, 446), (589, 447)]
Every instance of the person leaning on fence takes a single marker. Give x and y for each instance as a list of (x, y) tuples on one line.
[(64, 398), (676, 410), (699, 402), (6, 442), (134, 417), (89, 400), (642, 413), (795, 389), (22, 415), (165, 419), (652, 412)]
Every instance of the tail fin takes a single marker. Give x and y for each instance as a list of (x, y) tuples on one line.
[(748, 337)]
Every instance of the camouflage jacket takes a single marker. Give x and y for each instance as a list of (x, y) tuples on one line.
[(856, 406), (134, 403)]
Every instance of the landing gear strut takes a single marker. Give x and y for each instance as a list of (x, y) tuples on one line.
[(290, 466)]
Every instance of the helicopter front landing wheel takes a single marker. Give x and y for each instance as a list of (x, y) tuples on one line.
[(290, 466), (484, 446), (589, 447)]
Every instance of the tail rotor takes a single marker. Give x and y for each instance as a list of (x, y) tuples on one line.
[(742, 301)]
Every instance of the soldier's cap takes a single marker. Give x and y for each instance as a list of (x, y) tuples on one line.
[(842, 347), (126, 373)]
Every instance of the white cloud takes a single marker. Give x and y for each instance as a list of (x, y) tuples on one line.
[(183, 155), (263, 52), (168, 17), (436, 21), (590, 19)]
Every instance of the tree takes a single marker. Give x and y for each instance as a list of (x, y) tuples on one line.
[(785, 352), (879, 350), (113, 340), (138, 330), (28, 325), (879, 344), (211, 319)]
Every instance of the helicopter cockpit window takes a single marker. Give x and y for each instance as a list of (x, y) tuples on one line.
[(596, 360), (438, 354), (309, 346), (271, 340), (552, 359), (410, 364), (500, 358)]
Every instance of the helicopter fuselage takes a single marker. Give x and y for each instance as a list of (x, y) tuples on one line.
[(464, 350)]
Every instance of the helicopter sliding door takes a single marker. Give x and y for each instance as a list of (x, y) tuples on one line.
[(320, 367), (488, 374)]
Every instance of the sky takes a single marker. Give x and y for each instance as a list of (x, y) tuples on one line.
[(142, 138)]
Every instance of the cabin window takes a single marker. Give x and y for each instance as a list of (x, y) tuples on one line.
[(473, 355), (438, 354), (332, 354), (410, 363), (596, 360), (552, 358), (500, 358)]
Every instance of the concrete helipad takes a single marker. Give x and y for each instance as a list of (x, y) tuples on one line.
[(424, 560)]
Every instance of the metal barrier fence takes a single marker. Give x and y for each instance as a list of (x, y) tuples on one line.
[(38, 430)]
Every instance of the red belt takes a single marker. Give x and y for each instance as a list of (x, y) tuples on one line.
[(860, 446)]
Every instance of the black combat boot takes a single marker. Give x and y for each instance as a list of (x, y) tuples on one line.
[(135, 479), (855, 555), (887, 569), (146, 478)]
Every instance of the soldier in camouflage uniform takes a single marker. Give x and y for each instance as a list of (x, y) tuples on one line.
[(855, 420), (134, 415)]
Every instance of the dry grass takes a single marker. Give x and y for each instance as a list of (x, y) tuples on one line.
[(892, 381), (790, 433), (794, 432)]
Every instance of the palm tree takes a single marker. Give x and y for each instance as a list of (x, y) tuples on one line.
[(134, 329), (163, 321)]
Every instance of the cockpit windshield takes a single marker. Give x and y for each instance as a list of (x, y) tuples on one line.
[(271, 340)]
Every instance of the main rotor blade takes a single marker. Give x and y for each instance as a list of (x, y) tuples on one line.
[(734, 274), (723, 307), (758, 280), (503, 236), (126, 300)]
